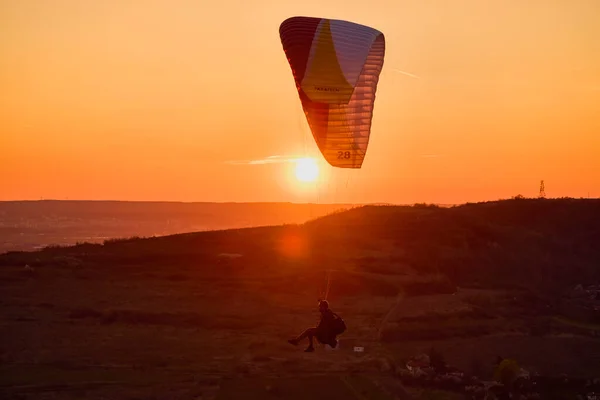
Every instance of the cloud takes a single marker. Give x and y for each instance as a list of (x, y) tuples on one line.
[(279, 159), (406, 73)]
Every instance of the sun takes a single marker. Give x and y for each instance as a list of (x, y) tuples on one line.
[(307, 170)]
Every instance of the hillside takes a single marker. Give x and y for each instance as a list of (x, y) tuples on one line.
[(546, 243), (180, 315)]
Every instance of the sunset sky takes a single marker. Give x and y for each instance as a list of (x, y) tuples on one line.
[(173, 100)]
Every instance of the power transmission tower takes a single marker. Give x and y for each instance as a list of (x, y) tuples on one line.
[(542, 190)]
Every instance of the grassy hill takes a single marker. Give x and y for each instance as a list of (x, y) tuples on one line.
[(179, 315)]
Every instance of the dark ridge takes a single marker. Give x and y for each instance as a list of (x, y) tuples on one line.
[(545, 245)]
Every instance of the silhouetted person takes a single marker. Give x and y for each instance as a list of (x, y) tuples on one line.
[(326, 332)]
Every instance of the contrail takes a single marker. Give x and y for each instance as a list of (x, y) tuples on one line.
[(406, 73)]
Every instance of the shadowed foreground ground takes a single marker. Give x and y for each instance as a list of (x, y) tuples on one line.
[(167, 318)]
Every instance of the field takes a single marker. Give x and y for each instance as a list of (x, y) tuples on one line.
[(172, 318)]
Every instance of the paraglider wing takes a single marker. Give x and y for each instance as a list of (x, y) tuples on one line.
[(336, 66)]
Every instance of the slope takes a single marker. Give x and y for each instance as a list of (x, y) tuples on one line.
[(180, 316)]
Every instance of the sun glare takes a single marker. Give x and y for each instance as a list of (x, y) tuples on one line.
[(307, 170)]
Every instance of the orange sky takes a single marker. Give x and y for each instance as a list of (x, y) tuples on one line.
[(153, 100)]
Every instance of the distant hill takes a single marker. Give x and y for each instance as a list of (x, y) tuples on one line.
[(543, 244)]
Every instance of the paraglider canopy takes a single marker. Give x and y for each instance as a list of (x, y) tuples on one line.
[(336, 66)]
